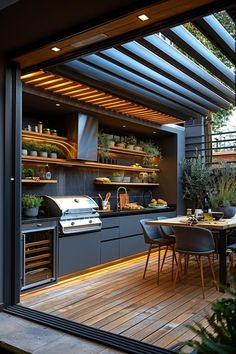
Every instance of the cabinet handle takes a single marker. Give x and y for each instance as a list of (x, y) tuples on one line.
[(39, 225)]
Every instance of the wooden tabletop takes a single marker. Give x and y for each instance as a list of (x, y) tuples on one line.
[(182, 220)]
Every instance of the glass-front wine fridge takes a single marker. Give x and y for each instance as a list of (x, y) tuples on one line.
[(39, 254)]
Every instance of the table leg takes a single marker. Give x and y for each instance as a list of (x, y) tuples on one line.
[(222, 260)]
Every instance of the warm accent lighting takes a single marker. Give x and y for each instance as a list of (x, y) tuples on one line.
[(55, 49), (58, 104), (143, 17), (123, 126)]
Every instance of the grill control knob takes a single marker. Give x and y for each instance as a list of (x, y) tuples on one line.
[(72, 223), (76, 200), (90, 221)]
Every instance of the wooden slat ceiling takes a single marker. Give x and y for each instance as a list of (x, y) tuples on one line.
[(76, 42), (77, 91)]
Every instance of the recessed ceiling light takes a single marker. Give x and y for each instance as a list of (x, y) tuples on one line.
[(55, 49), (58, 104), (123, 126), (143, 17), (154, 132)]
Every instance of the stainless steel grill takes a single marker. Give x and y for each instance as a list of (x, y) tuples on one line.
[(77, 213)]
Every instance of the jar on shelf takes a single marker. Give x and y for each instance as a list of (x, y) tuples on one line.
[(54, 132), (40, 127), (46, 131)]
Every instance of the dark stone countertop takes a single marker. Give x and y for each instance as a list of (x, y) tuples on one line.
[(105, 214)]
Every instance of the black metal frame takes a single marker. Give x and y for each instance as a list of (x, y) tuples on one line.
[(12, 185)]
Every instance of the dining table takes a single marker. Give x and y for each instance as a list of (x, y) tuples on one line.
[(223, 227)]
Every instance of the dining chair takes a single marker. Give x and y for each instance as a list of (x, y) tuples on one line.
[(167, 231), (153, 237), (194, 241), (232, 250)]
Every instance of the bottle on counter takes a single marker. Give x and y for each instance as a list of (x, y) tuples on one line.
[(40, 127), (48, 174)]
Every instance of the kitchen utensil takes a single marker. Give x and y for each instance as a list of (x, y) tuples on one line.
[(100, 196), (108, 196)]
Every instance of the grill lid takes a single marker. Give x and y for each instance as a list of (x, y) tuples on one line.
[(68, 205)]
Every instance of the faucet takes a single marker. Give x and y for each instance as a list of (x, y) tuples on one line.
[(117, 196)]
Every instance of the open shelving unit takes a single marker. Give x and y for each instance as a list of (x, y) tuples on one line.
[(128, 184)]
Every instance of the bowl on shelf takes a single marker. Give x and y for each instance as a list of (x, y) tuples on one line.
[(126, 179), (217, 215)]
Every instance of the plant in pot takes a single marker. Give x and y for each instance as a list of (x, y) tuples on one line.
[(121, 143), (117, 177), (153, 154), (33, 148), (54, 151), (223, 194), (31, 204), (197, 180), (131, 141), (103, 146), (43, 150), (24, 150), (28, 173)]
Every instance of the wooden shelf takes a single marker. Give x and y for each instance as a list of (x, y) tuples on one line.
[(40, 181), (89, 164), (128, 184), (127, 151), (42, 136)]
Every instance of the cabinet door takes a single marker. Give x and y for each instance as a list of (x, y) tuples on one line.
[(110, 250), (132, 245), (130, 225), (78, 252)]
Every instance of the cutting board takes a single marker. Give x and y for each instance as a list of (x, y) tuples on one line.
[(124, 198)]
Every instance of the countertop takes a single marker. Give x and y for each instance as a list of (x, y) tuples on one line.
[(103, 214)]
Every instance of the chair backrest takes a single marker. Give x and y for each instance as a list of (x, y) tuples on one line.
[(193, 239), (166, 230), (150, 232)]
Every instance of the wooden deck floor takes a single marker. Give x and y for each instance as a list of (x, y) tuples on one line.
[(118, 300)]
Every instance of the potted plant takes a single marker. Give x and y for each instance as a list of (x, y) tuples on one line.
[(54, 151), (223, 194), (43, 150), (121, 143), (32, 147), (28, 173), (197, 180), (153, 154), (117, 177), (131, 141), (31, 204), (24, 150), (103, 146)]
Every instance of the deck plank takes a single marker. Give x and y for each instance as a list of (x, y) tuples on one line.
[(118, 300)]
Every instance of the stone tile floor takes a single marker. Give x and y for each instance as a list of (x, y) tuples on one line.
[(30, 337)]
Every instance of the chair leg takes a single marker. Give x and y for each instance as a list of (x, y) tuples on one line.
[(158, 264), (212, 271), (173, 262), (148, 255), (202, 276), (177, 270), (186, 258), (164, 258)]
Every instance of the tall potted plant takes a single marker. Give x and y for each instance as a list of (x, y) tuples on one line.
[(223, 194), (197, 180)]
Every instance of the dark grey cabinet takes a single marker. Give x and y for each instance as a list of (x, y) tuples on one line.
[(79, 252), (121, 236)]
